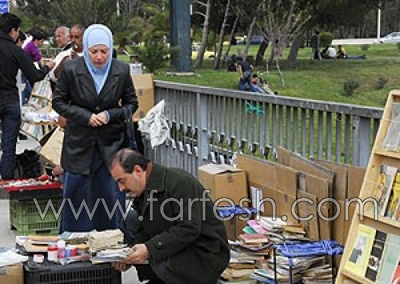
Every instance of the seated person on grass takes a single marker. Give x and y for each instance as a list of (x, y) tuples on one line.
[(341, 54)]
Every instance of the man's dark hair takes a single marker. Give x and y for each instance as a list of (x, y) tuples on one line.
[(38, 34), (8, 22), (128, 159), (21, 37)]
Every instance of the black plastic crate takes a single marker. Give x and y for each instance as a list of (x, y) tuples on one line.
[(74, 273)]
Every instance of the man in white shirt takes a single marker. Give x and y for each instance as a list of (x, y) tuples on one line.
[(330, 52), (61, 36)]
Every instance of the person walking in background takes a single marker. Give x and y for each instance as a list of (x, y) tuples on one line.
[(61, 36), (315, 46), (92, 93), (33, 50), (190, 249), (12, 58)]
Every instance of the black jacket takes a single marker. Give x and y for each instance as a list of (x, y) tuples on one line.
[(13, 58), (194, 245), (76, 99)]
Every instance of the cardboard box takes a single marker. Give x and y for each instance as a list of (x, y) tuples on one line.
[(144, 87), (51, 150), (234, 227), (224, 181), (339, 189), (12, 274), (354, 181)]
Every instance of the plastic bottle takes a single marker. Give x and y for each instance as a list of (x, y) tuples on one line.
[(52, 253), (61, 251)]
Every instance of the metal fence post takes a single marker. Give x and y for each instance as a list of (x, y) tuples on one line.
[(202, 129)]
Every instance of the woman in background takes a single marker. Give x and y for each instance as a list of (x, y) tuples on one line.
[(91, 94)]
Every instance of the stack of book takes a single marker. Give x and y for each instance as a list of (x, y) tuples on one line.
[(299, 266), (241, 266)]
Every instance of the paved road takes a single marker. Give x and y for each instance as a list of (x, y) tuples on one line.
[(349, 41)]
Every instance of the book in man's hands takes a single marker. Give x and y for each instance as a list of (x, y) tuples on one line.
[(111, 255)]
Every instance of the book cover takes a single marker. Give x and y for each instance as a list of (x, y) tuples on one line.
[(392, 138), (396, 275), (357, 262), (375, 258), (383, 189), (389, 259)]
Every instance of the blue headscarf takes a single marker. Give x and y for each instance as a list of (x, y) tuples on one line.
[(97, 34)]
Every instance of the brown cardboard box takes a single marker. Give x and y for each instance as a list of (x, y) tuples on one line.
[(284, 202), (234, 227), (51, 150), (339, 189), (224, 181), (144, 87), (12, 274), (355, 179), (305, 210), (261, 174)]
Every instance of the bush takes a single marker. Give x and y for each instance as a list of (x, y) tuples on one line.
[(326, 39), (153, 54), (365, 47), (381, 83), (350, 86)]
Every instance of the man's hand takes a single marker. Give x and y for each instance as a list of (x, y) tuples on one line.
[(120, 266), (140, 255)]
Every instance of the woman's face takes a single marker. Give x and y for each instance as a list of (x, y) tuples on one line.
[(99, 54)]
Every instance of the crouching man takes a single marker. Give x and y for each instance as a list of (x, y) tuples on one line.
[(173, 226)]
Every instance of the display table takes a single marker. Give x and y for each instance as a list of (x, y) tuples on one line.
[(78, 272)]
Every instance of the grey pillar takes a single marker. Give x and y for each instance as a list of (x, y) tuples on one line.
[(181, 58)]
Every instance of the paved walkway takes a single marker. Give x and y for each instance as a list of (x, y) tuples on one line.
[(7, 236), (7, 239)]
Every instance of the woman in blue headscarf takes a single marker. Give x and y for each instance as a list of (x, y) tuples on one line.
[(91, 94)]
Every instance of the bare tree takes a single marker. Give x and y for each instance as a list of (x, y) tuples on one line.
[(218, 54), (206, 29), (281, 21), (249, 34), (231, 36)]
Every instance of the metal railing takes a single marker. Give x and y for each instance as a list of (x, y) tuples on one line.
[(209, 124)]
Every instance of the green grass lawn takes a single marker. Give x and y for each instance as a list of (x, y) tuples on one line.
[(319, 80)]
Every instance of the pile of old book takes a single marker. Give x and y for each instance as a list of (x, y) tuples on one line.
[(298, 259), (299, 262), (247, 253)]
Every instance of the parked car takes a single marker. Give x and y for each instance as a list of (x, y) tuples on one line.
[(253, 40), (391, 38), (207, 53)]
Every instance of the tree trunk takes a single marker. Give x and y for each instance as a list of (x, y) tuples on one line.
[(249, 34), (261, 51), (218, 54), (204, 37), (291, 60), (397, 14), (228, 48)]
